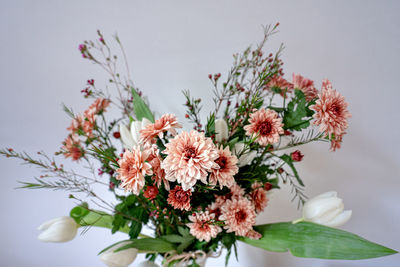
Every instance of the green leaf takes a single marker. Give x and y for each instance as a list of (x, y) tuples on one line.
[(286, 158), (140, 107), (295, 112), (309, 240), (79, 212), (149, 245)]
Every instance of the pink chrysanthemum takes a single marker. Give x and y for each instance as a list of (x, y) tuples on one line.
[(306, 86), (72, 147), (158, 172), (280, 83), (190, 157), (202, 227), (239, 216), (259, 197), (99, 105), (179, 198), (331, 112), (132, 169), (265, 125), (227, 168), (167, 122)]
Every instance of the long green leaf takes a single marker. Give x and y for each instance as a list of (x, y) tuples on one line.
[(140, 107), (311, 240), (149, 245)]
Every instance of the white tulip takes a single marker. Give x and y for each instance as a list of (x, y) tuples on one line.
[(244, 158), (132, 138), (326, 209), (221, 130), (147, 264), (121, 258), (61, 229)]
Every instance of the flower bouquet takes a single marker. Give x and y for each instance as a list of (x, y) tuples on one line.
[(185, 195)]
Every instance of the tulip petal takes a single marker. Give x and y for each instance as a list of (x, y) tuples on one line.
[(136, 126), (320, 206), (126, 137), (121, 258), (341, 219), (61, 229)]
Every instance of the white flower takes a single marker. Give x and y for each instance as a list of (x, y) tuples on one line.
[(221, 130), (243, 158), (121, 258), (132, 138), (147, 264), (326, 209), (61, 229)]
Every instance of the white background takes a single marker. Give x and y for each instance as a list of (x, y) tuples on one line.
[(174, 45)]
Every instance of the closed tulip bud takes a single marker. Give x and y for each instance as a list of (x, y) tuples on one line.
[(61, 229), (326, 209), (244, 158), (147, 264), (121, 258), (221, 130), (131, 138)]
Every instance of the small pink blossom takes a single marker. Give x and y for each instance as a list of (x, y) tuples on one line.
[(72, 147), (280, 83), (296, 155), (259, 197)]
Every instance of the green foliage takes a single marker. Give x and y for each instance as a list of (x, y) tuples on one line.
[(210, 127), (184, 240), (149, 245), (311, 240), (286, 158), (295, 113), (140, 107)]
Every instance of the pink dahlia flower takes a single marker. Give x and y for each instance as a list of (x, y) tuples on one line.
[(331, 112), (167, 122), (190, 157), (133, 168), (179, 198), (265, 125), (202, 226), (306, 86), (239, 216), (227, 168), (72, 147), (88, 122), (151, 192)]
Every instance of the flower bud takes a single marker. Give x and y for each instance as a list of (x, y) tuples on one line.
[(121, 258), (61, 229), (221, 130), (326, 209), (243, 158), (132, 138)]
